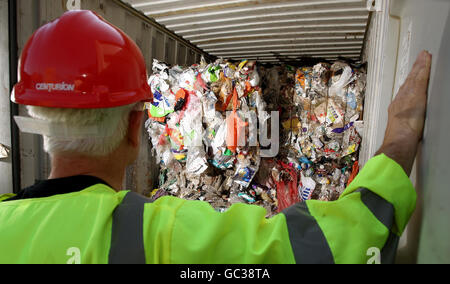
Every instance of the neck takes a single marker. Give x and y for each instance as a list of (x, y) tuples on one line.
[(106, 168)]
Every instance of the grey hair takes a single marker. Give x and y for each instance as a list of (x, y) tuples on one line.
[(101, 145)]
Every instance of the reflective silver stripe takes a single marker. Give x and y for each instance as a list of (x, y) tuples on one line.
[(389, 251), (383, 210), (308, 242), (385, 213), (127, 236)]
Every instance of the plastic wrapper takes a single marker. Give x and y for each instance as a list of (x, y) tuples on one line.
[(244, 175), (320, 78), (302, 98), (351, 141), (307, 187), (196, 161), (355, 97), (341, 76), (286, 179)]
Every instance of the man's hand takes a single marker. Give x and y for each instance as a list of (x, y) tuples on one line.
[(407, 115)]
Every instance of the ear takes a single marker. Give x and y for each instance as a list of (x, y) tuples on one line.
[(134, 128)]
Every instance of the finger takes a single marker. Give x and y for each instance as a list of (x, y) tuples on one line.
[(424, 73), (420, 64), (417, 81), (421, 81)]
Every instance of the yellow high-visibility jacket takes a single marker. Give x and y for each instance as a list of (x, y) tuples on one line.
[(100, 225)]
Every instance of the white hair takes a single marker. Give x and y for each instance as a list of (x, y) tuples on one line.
[(101, 145)]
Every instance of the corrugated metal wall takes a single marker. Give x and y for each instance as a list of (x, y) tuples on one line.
[(154, 40), (266, 30), (34, 162)]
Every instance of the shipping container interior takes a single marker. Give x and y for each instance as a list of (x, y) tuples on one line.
[(385, 34)]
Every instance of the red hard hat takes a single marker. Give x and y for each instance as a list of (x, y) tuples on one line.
[(81, 61)]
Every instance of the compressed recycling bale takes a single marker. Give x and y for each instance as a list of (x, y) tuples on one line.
[(203, 118)]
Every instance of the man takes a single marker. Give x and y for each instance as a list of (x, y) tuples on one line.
[(84, 81)]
